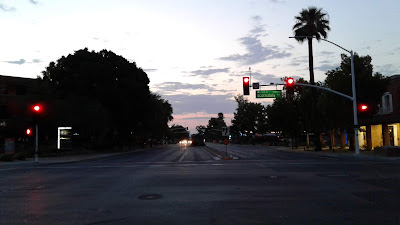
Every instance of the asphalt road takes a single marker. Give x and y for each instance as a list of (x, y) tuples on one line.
[(180, 185)]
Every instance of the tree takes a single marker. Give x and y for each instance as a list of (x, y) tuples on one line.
[(106, 89), (160, 113), (311, 23), (201, 129), (214, 127), (369, 86), (249, 118), (288, 115)]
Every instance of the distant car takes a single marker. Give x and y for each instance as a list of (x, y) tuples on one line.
[(185, 142)]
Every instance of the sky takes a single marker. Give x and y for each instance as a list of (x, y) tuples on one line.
[(196, 52)]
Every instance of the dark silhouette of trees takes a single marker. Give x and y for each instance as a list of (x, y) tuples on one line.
[(338, 111), (213, 130), (292, 114), (105, 98), (214, 127), (249, 119), (312, 23)]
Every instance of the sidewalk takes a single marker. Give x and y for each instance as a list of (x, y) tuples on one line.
[(326, 152), (67, 159), (338, 153)]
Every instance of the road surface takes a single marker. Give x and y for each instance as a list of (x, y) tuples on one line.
[(187, 185)]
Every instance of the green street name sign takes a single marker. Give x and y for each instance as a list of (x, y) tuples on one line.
[(269, 94)]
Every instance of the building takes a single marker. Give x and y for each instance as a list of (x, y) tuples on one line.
[(16, 98), (384, 128)]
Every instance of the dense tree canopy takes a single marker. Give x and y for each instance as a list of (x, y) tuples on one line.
[(335, 112), (369, 89), (249, 117), (101, 92)]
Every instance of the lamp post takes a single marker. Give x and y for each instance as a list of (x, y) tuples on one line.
[(353, 82)]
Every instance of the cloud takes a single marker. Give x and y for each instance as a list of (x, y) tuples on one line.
[(7, 8), (170, 88), (265, 78), (33, 2), (258, 29), (36, 61), (325, 62), (256, 18), (183, 104), (207, 72), (277, 1), (290, 46), (367, 47), (388, 69), (256, 52), (150, 70), (297, 61), (326, 67), (19, 62), (275, 66), (326, 53)]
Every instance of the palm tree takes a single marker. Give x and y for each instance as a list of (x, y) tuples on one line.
[(311, 23)]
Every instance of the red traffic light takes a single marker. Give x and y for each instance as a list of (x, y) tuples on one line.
[(290, 81), (37, 108), (28, 131), (363, 107), (246, 85)]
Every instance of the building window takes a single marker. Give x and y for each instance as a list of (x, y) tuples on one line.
[(387, 104)]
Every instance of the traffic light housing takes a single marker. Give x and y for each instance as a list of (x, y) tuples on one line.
[(246, 85), (290, 84), (36, 111)]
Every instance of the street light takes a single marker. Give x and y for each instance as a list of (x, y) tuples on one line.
[(353, 82)]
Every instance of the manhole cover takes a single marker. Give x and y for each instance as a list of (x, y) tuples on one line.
[(150, 197)]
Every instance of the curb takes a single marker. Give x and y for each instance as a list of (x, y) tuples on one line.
[(342, 155), (99, 158)]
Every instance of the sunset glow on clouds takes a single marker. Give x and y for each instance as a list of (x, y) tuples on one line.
[(196, 52)]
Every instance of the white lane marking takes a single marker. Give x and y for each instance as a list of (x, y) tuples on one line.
[(183, 156), (215, 157)]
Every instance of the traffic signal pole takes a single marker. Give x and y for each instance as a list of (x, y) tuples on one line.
[(37, 143), (353, 83), (356, 128)]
